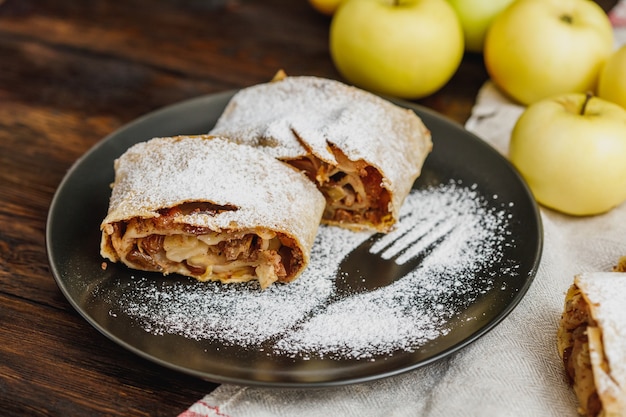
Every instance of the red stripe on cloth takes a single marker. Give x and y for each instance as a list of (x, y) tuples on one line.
[(203, 409), (617, 15), (189, 413)]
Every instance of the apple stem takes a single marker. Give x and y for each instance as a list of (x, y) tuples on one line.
[(588, 96)]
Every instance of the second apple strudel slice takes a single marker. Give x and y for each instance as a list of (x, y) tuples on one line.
[(362, 151)]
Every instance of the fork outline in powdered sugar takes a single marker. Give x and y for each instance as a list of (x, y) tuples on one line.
[(419, 238), (382, 260)]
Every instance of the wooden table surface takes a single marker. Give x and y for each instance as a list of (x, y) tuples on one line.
[(72, 72)]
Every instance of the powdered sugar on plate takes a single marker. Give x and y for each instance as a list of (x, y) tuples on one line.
[(304, 319)]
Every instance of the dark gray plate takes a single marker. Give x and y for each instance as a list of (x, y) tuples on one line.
[(81, 201)]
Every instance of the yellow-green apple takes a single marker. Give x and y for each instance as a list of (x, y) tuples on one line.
[(326, 7), (571, 150), (535, 49), (612, 79), (403, 48), (476, 17)]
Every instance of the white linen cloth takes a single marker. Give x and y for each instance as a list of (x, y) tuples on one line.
[(514, 370)]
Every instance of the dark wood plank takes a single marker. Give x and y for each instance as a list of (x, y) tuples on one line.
[(252, 40)]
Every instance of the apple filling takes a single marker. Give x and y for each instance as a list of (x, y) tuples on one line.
[(353, 192), (576, 329), (162, 244)]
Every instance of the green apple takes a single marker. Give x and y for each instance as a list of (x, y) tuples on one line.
[(476, 17), (571, 150), (327, 7), (612, 79), (535, 49), (403, 48)]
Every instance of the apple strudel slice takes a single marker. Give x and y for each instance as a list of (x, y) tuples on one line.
[(592, 342), (363, 152), (210, 209)]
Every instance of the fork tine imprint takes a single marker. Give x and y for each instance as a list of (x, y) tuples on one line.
[(424, 243), (404, 237), (383, 259)]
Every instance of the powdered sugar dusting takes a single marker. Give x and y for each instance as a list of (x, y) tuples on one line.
[(306, 318)]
